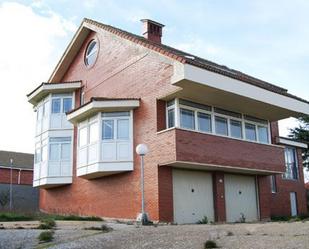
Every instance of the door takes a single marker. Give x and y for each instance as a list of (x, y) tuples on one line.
[(293, 204), (192, 196), (240, 198)]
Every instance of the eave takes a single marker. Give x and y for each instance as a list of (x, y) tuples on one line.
[(207, 87), (46, 88), (96, 105)]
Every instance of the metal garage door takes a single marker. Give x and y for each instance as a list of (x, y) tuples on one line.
[(193, 196), (240, 198)]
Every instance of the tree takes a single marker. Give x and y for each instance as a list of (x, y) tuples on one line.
[(302, 133)]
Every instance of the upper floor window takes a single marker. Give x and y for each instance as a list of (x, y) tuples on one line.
[(59, 148), (91, 53), (61, 104), (290, 164), (115, 125), (194, 116)]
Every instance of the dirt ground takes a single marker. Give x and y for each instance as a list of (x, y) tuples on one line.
[(72, 234)]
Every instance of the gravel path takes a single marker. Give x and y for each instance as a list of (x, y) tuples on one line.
[(69, 235)]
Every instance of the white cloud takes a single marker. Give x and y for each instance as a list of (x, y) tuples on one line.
[(29, 51)]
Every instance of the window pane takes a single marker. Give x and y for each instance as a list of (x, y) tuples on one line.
[(44, 153), (93, 132), (60, 139), (67, 104), (82, 136), (250, 132), (263, 134), (204, 122), (108, 129), (171, 118), (123, 129), (38, 155), (221, 126), (46, 109), (40, 112), (54, 152), (236, 130), (291, 164), (273, 184), (56, 103), (65, 151), (187, 119)]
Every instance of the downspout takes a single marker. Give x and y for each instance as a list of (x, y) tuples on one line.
[(19, 173)]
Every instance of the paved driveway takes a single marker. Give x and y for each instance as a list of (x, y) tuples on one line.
[(72, 235)]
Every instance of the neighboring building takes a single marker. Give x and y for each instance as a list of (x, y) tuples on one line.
[(212, 133), (20, 174)]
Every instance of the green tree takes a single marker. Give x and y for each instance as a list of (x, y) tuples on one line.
[(302, 133)]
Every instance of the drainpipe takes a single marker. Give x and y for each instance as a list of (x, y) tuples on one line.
[(19, 173)]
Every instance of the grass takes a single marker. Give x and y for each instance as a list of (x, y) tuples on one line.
[(8, 216), (12, 216), (104, 228), (210, 244), (290, 218), (47, 223), (46, 236)]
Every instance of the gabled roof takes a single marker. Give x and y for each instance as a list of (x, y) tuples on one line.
[(20, 160), (165, 50)]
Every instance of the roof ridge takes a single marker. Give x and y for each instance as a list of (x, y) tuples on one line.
[(193, 62)]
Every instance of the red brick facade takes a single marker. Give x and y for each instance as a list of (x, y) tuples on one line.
[(24, 177), (125, 69)]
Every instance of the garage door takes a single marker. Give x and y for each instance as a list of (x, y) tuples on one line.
[(240, 198), (193, 196)]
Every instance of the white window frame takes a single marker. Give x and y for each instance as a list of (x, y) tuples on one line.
[(213, 114), (59, 144)]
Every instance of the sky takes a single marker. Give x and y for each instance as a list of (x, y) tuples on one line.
[(266, 39)]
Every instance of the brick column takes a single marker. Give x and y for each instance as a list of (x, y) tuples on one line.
[(166, 208), (219, 196), (264, 197)]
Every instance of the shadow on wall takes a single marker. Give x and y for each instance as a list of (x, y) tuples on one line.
[(25, 198)]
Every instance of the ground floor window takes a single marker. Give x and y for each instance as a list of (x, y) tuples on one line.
[(273, 184)]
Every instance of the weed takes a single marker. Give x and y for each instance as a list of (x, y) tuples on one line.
[(210, 244), (104, 228), (46, 236), (204, 220), (229, 233)]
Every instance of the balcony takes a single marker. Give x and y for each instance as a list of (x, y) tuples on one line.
[(196, 150)]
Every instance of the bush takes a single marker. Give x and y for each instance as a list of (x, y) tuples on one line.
[(203, 221), (46, 236), (210, 244)]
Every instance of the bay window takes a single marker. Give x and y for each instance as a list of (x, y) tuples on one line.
[(290, 164), (59, 148), (203, 118)]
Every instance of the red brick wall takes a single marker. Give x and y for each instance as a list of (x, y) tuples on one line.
[(280, 204), (219, 196), (26, 176), (264, 196), (166, 212), (204, 148), (123, 69)]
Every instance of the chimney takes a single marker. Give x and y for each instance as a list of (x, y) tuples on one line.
[(152, 30)]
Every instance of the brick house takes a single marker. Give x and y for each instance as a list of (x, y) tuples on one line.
[(24, 196), (212, 132)]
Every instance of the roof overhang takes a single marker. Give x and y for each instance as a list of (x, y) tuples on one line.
[(291, 142), (212, 88), (46, 88), (214, 167), (106, 105)]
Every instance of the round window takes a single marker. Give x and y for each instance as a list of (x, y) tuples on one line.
[(91, 53)]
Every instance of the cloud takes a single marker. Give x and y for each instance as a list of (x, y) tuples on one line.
[(29, 51)]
